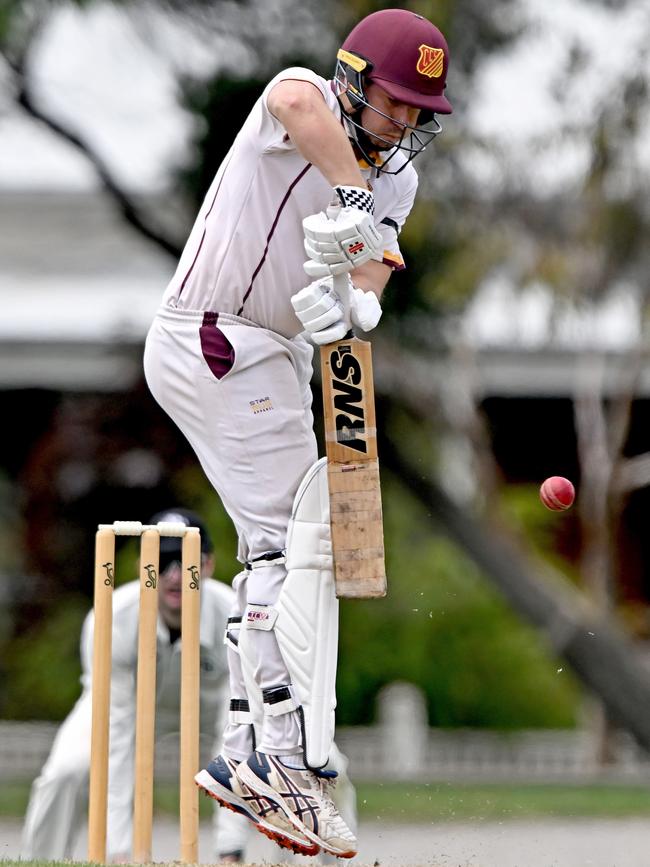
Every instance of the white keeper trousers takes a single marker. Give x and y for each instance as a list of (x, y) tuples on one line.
[(241, 396), (58, 803)]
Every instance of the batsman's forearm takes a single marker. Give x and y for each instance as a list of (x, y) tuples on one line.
[(316, 132), (323, 143), (371, 277)]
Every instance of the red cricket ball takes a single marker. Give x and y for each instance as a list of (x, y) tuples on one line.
[(557, 493)]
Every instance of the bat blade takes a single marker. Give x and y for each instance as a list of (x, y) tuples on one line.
[(353, 469)]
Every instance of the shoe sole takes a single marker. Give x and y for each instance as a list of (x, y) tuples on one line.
[(247, 776), (231, 801)]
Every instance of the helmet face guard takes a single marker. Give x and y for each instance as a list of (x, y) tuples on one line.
[(349, 77)]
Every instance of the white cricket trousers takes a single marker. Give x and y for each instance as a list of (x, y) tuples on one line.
[(241, 396)]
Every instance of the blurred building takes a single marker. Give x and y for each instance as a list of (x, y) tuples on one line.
[(80, 288), (83, 439)]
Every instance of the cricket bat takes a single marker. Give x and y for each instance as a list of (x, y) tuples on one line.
[(352, 463)]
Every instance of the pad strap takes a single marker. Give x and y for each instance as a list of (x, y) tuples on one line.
[(239, 712), (270, 558), (231, 633), (278, 700)]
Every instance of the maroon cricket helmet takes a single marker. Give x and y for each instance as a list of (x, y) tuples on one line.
[(406, 54)]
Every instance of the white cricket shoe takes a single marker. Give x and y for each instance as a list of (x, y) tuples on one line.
[(219, 780), (303, 796)]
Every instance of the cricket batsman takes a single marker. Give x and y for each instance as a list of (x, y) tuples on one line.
[(322, 168)]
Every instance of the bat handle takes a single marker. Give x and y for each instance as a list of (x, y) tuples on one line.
[(340, 284)]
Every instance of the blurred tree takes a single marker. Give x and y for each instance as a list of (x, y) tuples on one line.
[(589, 243), (475, 661)]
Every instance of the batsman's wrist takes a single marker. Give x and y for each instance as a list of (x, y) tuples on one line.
[(356, 197)]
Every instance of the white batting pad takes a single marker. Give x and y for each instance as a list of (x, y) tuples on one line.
[(308, 613), (253, 691)]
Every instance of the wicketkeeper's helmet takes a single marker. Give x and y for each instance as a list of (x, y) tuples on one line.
[(171, 546), (408, 57)]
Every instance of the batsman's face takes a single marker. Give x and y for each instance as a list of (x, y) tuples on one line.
[(385, 125)]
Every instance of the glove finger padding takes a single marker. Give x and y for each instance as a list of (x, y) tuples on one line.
[(317, 271), (330, 335), (319, 293), (324, 320), (342, 244), (319, 309)]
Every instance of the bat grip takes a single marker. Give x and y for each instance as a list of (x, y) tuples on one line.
[(341, 285)]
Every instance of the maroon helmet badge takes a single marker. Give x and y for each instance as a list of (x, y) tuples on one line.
[(430, 61)]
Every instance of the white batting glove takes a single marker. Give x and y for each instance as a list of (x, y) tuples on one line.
[(320, 310), (336, 246)]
